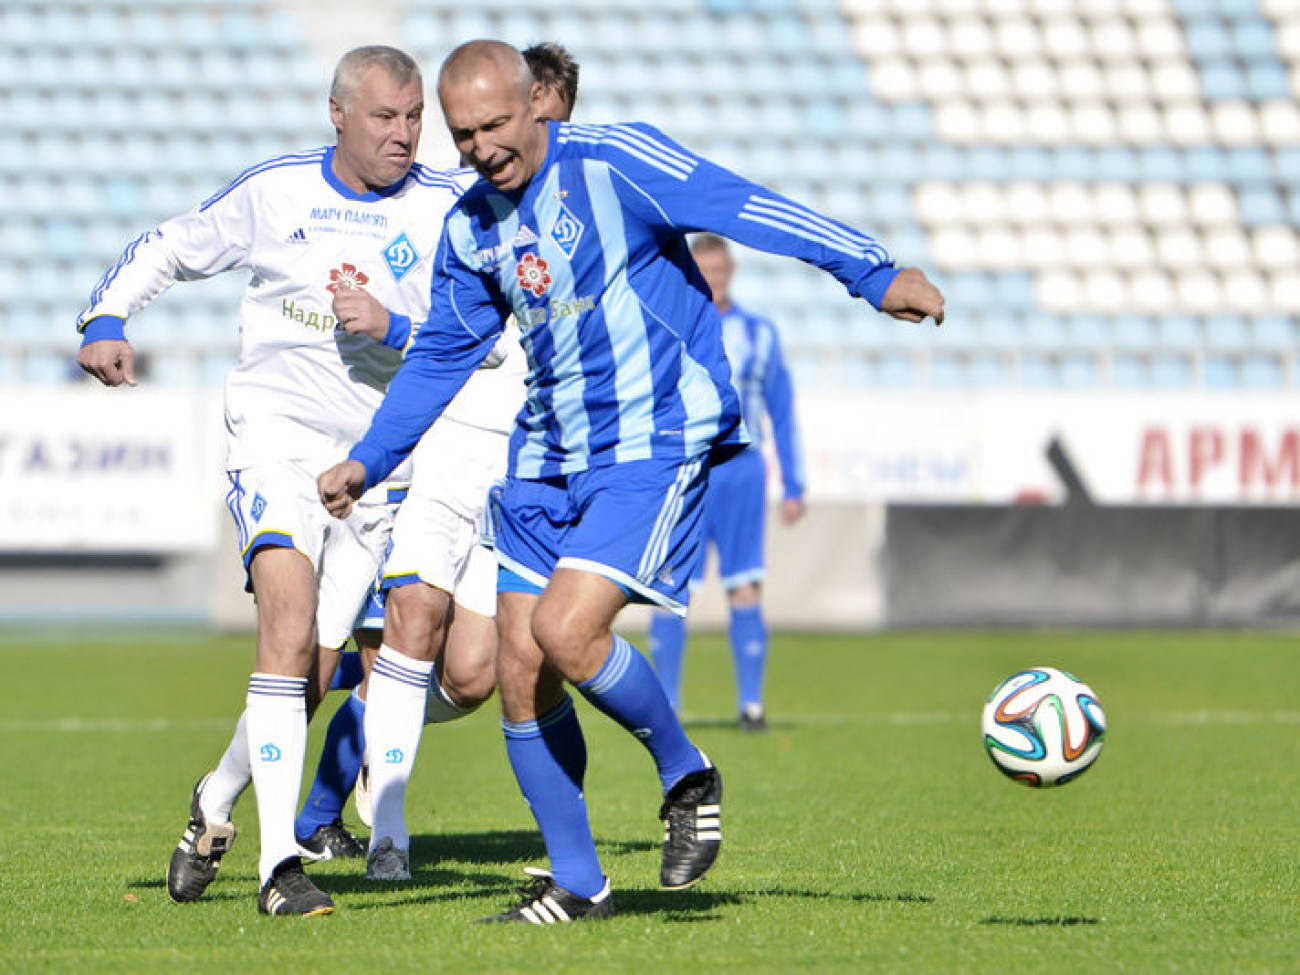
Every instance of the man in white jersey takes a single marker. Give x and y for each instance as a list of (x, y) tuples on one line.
[(308, 226)]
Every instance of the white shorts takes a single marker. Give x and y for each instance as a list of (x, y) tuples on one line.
[(436, 531), (278, 505)]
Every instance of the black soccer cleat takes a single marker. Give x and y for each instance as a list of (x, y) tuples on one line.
[(332, 842), (692, 815), (753, 718), (290, 892), (545, 902), (197, 856)]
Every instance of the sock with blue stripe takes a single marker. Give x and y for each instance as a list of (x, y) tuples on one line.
[(668, 647), (626, 689), (748, 634), (394, 719), (275, 712), (336, 773), (348, 673), (549, 758)]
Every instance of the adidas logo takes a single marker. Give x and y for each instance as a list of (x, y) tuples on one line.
[(297, 237), (524, 237)]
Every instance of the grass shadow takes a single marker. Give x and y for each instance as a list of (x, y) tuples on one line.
[(1064, 921)]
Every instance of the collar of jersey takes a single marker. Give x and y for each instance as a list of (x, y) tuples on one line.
[(327, 171)]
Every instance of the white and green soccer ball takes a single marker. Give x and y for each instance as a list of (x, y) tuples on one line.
[(1043, 727)]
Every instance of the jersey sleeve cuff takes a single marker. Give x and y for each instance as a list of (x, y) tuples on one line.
[(873, 285), (399, 331), (372, 459), (103, 327)]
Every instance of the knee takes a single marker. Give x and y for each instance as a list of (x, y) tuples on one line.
[(414, 615), (745, 596)]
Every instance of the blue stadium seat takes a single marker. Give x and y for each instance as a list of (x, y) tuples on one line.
[(1219, 372), (1261, 372), (1206, 38), (1226, 332), (1266, 80), (1161, 163), (1133, 331), (1261, 205), (1274, 332), (1222, 79), (1178, 332), (1079, 371), (1129, 372), (1039, 372), (1249, 164), (1252, 37), (1171, 372)]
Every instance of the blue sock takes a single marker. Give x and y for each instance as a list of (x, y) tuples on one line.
[(549, 758), (749, 650), (668, 647), (348, 674), (626, 689), (340, 762)]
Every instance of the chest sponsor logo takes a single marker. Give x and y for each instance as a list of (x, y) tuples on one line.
[(345, 278), (400, 255), (533, 274), (566, 231)]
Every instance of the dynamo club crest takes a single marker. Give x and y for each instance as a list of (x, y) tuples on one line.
[(400, 255), (566, 231)]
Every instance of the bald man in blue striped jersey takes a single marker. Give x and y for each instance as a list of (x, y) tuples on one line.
[(580, 231)]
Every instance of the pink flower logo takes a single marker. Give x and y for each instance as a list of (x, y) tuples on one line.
[(346, 278), (533, 275)]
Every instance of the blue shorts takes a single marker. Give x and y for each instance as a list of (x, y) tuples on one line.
[(637, 524), (735, 517)]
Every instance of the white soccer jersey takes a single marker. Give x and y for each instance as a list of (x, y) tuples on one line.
[(304, 388)]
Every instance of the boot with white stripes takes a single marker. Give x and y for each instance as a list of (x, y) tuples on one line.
[(546, 902)]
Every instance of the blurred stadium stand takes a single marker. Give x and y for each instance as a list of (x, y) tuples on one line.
[(1108, 190)]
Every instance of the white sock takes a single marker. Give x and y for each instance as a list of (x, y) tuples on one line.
[(276, 713), (231, 778), (439, 707), (395, 704)]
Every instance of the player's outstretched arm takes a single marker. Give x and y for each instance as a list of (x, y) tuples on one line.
[(111, 361), (911, 297), (340, 486)]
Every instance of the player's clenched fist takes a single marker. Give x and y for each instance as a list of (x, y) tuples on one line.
[(340, 486), (913, 298), (360, 313), (111, 361)]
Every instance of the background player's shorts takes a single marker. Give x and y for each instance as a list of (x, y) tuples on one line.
[(735, 518), (437, 529), (637, 524), (277, 505)]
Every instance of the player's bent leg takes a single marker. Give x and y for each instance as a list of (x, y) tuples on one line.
[(571, 622), (465, 675), (284, 583)]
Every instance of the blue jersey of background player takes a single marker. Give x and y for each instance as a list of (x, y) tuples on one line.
[(735, 504)]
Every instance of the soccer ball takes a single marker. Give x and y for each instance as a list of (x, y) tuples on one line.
[(1043, 727)]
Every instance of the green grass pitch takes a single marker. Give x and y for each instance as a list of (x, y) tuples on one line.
[(866, 831)]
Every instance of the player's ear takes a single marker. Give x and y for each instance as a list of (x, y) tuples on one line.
[(336, 113), (536, 95)]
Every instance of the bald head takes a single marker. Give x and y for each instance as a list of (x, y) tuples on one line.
[(490, 102), (486, 62)]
